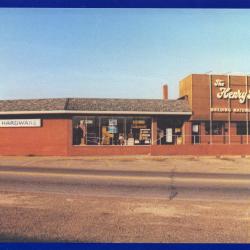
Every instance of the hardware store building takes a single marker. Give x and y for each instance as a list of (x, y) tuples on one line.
[(210, 117)]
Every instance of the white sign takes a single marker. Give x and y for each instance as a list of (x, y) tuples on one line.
[(228, 110), (112, 122), (169, 135), (196, 128), (11, 123)]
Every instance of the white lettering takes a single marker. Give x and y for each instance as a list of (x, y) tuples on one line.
[(227, 93), (219, 83)]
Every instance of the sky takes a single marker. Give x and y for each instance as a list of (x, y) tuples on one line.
[(116, 53)]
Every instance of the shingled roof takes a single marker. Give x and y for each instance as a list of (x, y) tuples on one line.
[(67, 105)]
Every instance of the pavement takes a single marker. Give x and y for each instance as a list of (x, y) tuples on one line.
[(125, 199)]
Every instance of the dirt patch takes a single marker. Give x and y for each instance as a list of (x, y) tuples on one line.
[(158, 211), (19, 200), (104, 219)]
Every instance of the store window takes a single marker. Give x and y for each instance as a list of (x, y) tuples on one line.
[(169, 131), (241, 128), (217, 128), (86, 130), (138, 131), (95, 130), (112, 131)]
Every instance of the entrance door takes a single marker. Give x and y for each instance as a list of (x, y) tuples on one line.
[(195, 133)]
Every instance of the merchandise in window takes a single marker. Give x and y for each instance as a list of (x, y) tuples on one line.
[(93, 130)]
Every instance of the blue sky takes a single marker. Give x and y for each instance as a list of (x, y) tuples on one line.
[(123, 53)]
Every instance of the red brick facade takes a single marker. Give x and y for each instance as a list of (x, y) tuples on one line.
[(52, 138)]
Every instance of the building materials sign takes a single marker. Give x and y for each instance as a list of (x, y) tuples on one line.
[(20, 123)]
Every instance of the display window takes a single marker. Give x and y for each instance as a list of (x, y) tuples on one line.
[(169, 131), (217, 128), (98, 130), (241, 128)]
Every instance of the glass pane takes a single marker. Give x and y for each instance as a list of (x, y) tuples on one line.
[(112, 131), (85, 130), (138, 131)]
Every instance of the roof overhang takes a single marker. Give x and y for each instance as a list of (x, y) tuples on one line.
[(91, 112)]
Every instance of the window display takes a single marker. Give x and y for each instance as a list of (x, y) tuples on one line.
[(94, 130), (169, 131)]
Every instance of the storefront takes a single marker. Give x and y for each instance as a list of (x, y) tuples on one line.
[(211, 116), (220, 108)]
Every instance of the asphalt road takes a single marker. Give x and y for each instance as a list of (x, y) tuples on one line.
[(126, 183)]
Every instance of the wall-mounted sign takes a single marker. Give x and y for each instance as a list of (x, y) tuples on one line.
[(228, 93), (227, 110), (14, 123)]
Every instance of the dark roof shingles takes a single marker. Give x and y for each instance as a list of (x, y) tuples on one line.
[(33, 104), (95, 104), (140, 105)]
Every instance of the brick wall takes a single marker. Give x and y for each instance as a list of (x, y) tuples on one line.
[(52, 138)]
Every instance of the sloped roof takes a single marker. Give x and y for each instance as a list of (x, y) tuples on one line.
[(66, 105), (33, 104), (143, 105)]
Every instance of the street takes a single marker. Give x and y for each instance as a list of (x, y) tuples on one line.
[(125, 200)]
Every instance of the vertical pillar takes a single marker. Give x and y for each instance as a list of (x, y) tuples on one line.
[(154, 131), (211, 115), (69, 136), (204, 139), (232, 131), (229, 113), (187, 132), (247, 132)]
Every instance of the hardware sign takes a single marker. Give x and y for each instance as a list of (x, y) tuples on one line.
[(16, 123)]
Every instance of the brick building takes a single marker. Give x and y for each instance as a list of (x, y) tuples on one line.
[(211, 116)]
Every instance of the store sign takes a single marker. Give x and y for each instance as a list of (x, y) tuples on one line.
[(228, 93), (228, 110), (11, 123)]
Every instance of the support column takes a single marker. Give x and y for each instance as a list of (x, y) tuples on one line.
[(154, 131), (204, 139), (233, 133), (187, 132)]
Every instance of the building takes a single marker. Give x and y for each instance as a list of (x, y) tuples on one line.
[(211, 116)]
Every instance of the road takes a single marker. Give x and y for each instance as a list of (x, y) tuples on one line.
[(100, 182), (119, 202)]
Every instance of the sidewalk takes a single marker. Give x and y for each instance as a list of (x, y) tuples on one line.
[(234, 164)]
